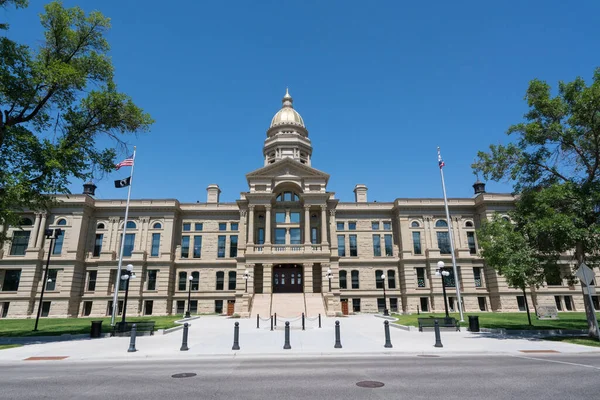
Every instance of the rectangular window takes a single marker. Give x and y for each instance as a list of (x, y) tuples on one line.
[(353, 246), (449, 280), (260, 236), (232, 280), (381, 304), (5, 309), (233, 246), (185, 246), (182, 281), (355, 283), (477, 277), (234, 226), (152, 279), (521, 303), (221, 246), (129, 241), (553, 277), (122, 282), (356, 305), (596, 302), (222, 226), (351, 226), (416, 242), (148, 306), (424, 304), (482, 305), (558, 303), (180, 307), (87, 308), (420, 277), (340, 226), (387, 226), (11, 280), (58, 243), (375, 225), (280, 217), (391, 279), (471, 242), (91, 285), (220, 280), (376, 245), (46, 308), (198, 226), (389, 248), (393, 304), (295, 217), (195, 281), (98, 244), (155, 245), (295, 236), (314, 235), (280, 236), (19, 243), (443, 242), (569, 303), (197, 246), (187, 227), (341, 246), (218, 306), (378, 279), (343, 280), (51, 282), (194, 307)]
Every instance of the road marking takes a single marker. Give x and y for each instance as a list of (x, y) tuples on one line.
[(559, 362), (46, 358), (539, 351)]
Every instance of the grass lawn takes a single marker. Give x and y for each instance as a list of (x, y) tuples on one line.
[(9, 346), (59, 326), (584, 340), (517, 320)]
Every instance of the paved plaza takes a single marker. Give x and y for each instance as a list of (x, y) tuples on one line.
[(212, 336)]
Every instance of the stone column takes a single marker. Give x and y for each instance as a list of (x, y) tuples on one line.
[(36, 230), (307, 225), (308, 277), (242, 242), (323, 225), (251, 225), (268, 224), (267, 278), (42, 227), (332, 231)]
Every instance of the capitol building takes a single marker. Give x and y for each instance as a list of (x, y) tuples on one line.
[(286, 246)]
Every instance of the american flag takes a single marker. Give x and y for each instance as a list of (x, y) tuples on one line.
[(440, 161), (128, 162)]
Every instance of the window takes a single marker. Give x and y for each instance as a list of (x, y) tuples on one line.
[(232, 280), (152, 279), (157, 225), (109, 308), (5, 306), (376, 245), (280, 236), (220, 279), (58, 243), (129, 241), (477, 277), (148, 306), (131, 225), (468, 224), (440, 223), (187, 227), (471, 242), (414, 224), (558, 303), (314, 235), (197, 246), (375, 225), (233, 246), (61, 222), (355, 305), (198, 226), (234, 226), (193, 306), (353, 246), (26, 222), (280, 217), (222, 226), (569, 303), (12, 277), (553, 277), (340, 226), (51, 282), (421, 277), (416, 242), (343, 280), (98, 244), (424, 304), (378, 280), (195, 281), (100, 226), (219, 306), (180, 307), (221, 246), (381, 304), (122, 282), (91, 284), (295, 236), (87, 308), (354, 275), (482, 305), (295, 217), (182, 280), (19, 243), (595, 301), (521, 303), (393, 304), (449, 280), (351, 226), (387, 226), (185, 246), (46, 308), (389, 248), (443, 242), (391, 279), (155, 245), (260, 236), (341, 246)]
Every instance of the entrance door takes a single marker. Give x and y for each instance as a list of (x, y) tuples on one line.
[(345, 306), (287, 279), (230, 307)]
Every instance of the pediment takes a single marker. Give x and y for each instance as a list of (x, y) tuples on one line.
[(287, 168)]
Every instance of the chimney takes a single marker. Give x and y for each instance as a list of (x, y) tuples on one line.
[(360, 193), (89, 188), (213, 193), (479, 187)]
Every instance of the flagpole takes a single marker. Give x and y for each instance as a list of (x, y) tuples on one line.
[(456, 278), (117, 280)]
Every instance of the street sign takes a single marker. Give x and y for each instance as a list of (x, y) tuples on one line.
[(585, 273)]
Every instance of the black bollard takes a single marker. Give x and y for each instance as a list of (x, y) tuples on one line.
[(286, 345), (319, 320), (275, 320), (386, 328), (132, 341), (302, 321), (184, 346), (257, 321), (271, 322), (236, 336), (338, 343), (438, 340)]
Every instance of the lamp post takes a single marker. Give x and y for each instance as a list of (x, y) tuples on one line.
[(187, 313), (385, 309), (246, 277), (51, 234), (329, 275), (126, 276), (441, 271)]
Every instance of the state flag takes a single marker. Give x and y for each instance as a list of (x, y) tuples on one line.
[(121, 183)]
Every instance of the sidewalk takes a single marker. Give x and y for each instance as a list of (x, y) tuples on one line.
[(360, 335)]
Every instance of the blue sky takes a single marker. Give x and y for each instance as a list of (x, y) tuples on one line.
[(379, 84)]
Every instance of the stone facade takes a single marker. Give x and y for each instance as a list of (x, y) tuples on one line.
[(233, 251)]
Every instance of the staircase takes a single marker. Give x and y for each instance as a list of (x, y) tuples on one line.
[(314, 304), (261, 305), (288, 305)]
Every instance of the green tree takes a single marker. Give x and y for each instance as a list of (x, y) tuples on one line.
[(56, 101), (554, 164)]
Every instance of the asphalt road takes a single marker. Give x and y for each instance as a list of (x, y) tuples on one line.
[(404, 377)]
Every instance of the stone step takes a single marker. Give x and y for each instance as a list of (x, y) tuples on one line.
[(261, 305), (288, 305), (314, 304)]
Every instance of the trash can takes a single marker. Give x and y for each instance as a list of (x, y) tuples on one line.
[(474, 323), (96, 330)]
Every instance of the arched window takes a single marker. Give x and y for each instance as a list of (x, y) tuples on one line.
[(415, 224), (100, 226), (354, 275), (195, 280), (220, 279), (182, 280), (441, 223), (391, 279), (61, 222), (25, 222), (468, 224), (131, 225), (157, 225), (343, 280), (287, 196), (232, 280), (504, 217), (378, 280)]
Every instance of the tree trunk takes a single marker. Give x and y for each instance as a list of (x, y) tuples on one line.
[(589, 307), (527, 307)]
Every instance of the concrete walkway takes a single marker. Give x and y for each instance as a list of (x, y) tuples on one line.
[(360, 335)]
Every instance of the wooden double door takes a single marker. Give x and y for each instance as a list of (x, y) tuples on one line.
[(288, 279)]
